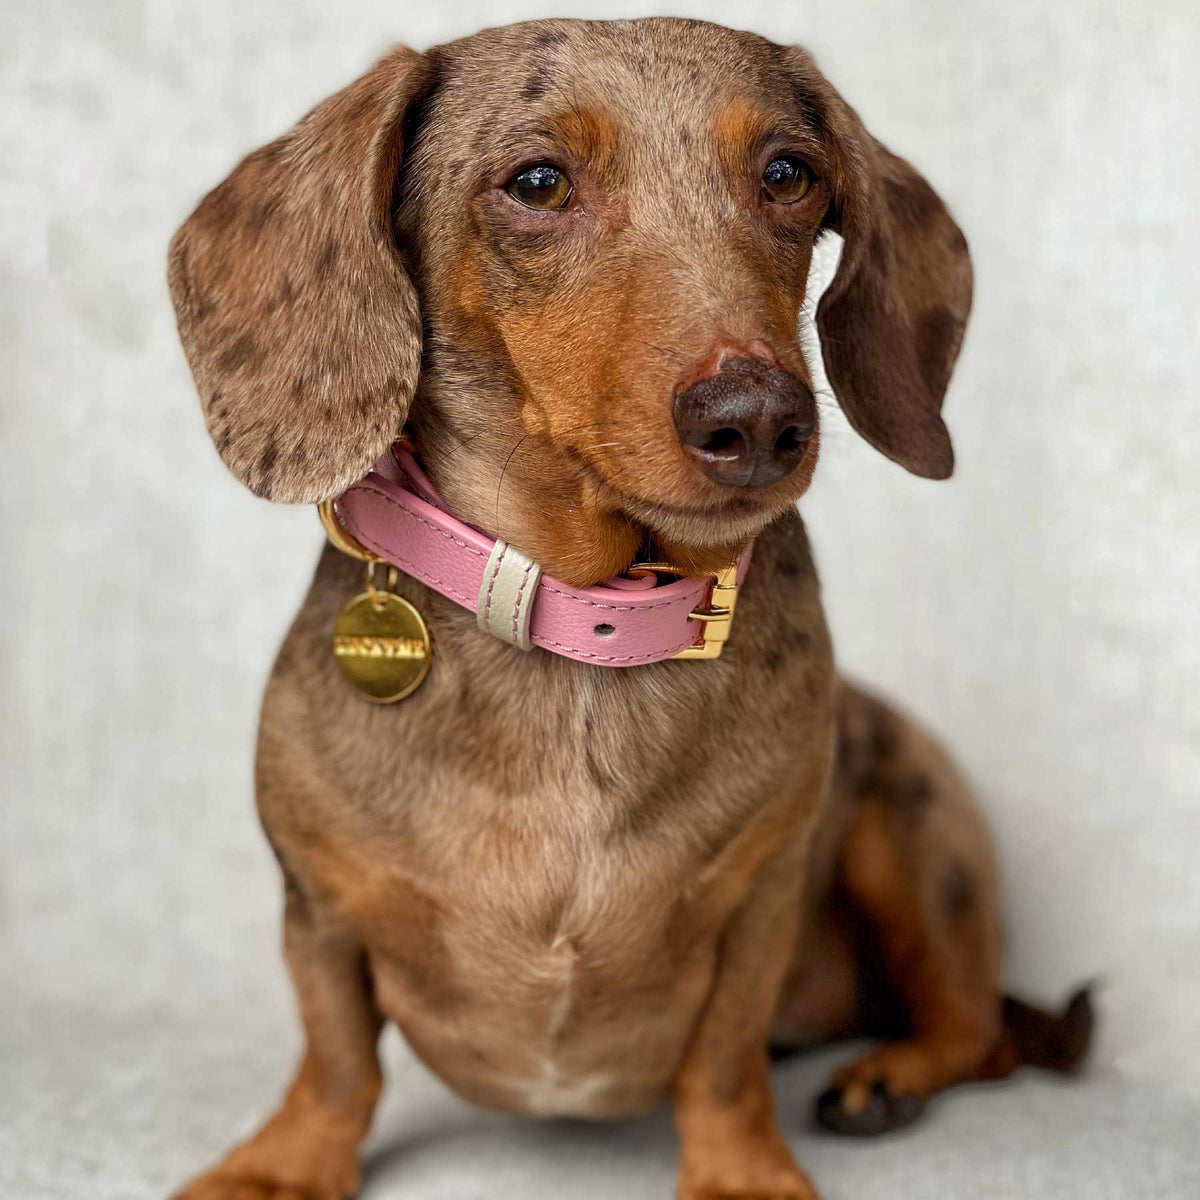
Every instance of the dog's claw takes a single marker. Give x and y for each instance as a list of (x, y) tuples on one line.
[(882, 1112)]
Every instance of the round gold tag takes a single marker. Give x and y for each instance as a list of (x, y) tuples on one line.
[(382, 646)]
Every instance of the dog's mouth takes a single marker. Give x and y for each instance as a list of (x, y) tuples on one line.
[(587, 511), (701, 529), (740, 450), (731, 517)]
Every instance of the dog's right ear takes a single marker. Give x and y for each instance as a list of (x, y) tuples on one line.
[(298, 320), (892, 320)]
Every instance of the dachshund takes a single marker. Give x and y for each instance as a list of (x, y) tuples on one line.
[(566, 261)]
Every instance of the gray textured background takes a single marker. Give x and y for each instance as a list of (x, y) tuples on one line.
[(1041, 609)]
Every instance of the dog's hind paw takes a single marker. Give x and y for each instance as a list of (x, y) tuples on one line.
[(859, 1111)]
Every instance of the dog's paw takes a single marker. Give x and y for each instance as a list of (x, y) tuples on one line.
[(240, 1187), (883, 1091), (862, 1110), (790, 1184), (772, 1195), (793, 1192)]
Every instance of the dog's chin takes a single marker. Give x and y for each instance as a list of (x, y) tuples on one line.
[(704, 533), (703, 529), (704, 539)]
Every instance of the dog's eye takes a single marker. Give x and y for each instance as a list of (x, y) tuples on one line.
[(541, 186), (786, 179)]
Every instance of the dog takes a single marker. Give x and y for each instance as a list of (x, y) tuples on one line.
[(566, 260)]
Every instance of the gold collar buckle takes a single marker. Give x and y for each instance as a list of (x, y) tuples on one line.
[(716, 616)]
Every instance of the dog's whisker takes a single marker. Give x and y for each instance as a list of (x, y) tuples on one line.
[(521, 441)]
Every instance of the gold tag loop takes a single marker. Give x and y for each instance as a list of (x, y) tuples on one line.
[(393, 577), (380, 641)]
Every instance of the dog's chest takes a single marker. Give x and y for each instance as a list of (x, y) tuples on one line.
[(535, 852), (541, 971), (546, 941)]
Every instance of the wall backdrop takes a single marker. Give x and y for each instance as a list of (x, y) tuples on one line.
[(1041, 610)]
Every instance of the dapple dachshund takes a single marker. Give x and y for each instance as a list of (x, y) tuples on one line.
[(592, 862)]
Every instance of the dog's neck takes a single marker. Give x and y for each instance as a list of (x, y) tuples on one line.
[(559, 511), (647, 614)]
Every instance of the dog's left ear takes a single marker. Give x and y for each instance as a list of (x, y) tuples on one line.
[(892, 320), (299, 322)]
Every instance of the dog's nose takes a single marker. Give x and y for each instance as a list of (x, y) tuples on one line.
[(747, 424)]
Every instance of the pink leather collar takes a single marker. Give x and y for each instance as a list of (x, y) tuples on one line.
[(395, 514)]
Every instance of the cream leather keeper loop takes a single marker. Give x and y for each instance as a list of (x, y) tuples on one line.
[(505, 603)]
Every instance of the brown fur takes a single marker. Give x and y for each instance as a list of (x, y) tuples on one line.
[(576, 890)]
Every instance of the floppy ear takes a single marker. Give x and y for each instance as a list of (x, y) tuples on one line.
[(892, 320), (297, 318)]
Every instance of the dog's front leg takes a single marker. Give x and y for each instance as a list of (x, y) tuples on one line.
[(309, 1149), (730, 1145)]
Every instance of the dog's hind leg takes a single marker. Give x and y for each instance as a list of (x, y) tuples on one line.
[(915, 872), (937, 959)]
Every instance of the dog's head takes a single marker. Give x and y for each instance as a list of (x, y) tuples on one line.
[(571, 256)]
